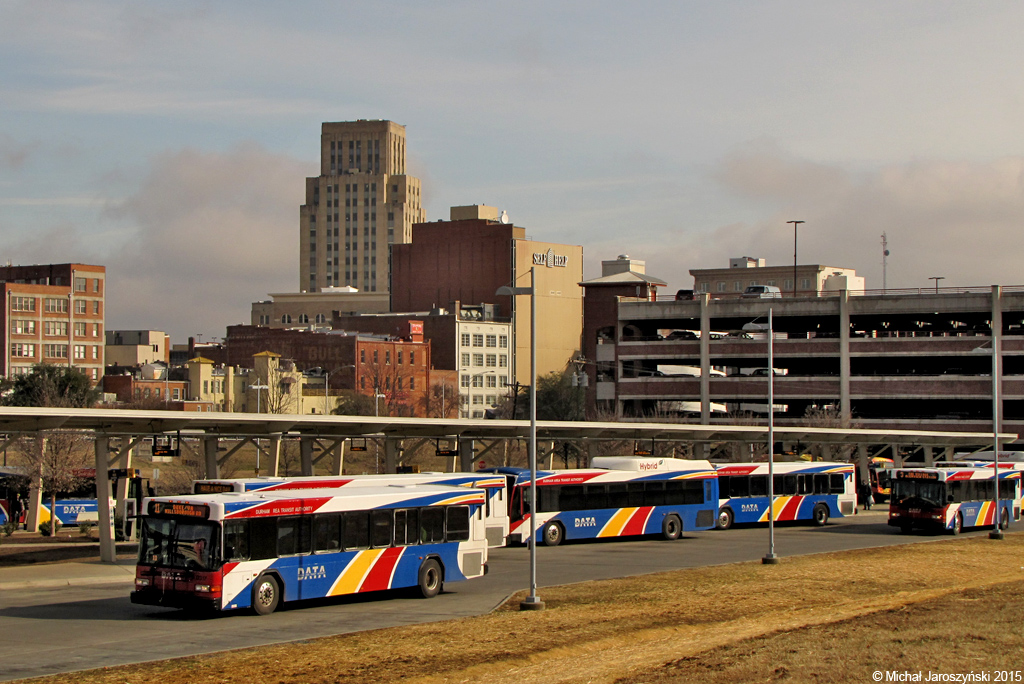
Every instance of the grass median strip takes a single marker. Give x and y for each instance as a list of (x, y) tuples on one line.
[(781, 621)]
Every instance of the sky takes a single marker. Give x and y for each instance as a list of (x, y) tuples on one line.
[(170, 141)]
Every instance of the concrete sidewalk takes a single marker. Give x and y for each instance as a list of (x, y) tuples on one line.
[(42, 575)]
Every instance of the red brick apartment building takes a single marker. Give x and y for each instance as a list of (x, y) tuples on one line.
[(399, 367), (53, 313)]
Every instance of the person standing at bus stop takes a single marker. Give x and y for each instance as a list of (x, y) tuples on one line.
[(864, 494)]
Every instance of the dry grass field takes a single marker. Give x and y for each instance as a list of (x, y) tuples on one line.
[(949, 606)]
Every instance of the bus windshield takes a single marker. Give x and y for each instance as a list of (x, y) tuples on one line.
[(171, 543), (928, 492)]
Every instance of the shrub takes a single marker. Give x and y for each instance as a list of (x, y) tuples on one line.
[(44, 528), (8, 528), (83, 528)]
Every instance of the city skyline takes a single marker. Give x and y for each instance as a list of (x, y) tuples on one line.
[(171, 144)]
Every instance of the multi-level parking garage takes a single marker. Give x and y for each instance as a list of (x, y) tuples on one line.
[(888, 360)]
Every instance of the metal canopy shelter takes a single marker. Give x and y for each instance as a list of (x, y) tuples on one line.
[(132, 426), (119, 422)]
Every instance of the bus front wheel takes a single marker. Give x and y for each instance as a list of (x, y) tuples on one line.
[(552, 534), (266, 594), (430, 579), (725, 519), (958, 524), (672, 527), (820, 515)]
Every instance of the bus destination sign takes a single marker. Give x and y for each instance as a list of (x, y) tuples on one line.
[(916, 475), (184, 510), (212, 487)]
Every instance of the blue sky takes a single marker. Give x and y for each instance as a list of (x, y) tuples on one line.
[(170, 141)]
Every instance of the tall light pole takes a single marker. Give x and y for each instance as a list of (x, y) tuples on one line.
[(937, 279), (532, 602), (258, 387), (770, 558), (795, 225)]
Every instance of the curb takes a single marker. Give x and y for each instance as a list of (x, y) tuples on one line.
[(64, 582)]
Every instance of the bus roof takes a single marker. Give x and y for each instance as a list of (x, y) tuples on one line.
[(268, 484), (254, 504)]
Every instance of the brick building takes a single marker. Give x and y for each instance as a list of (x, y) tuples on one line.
[(53, 313)]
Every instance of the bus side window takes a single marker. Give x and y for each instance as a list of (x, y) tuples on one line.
[(236, 540), (707, 492), (412, 526), (805, 484), (458, 523), (357, 530), (758, 485), (618, 496), (431, 525), (1008, 489), (955, 491), (820, 483), (836, 483), (595, 496), (548, 499), (636, 494), (263, 538), (724, 482), (293, 536), (381, 528), (327, 533), (400, 519)]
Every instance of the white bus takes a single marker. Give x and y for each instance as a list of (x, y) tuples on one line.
[(495, 507), (253, 550)]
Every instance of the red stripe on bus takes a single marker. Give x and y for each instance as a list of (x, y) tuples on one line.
[(737, 470), (307, 484), (295, 506), (791, 508), (379, 577), (638, 521), (565, 479)]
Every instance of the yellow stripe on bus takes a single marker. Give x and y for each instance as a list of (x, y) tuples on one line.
[(780, 505), (354, 573), (613, 528)]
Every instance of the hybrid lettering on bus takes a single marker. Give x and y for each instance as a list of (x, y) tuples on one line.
[(254, 550), (618, 497), (814, 491), (495, 505), (953, 498)]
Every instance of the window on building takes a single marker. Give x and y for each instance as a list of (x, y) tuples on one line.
[(805, 283), (55, 328), (362, 356), (286, 318), (55, 305), (81, 306), (492, 340), (478, 381), (503, 341), (465, 360), (478, 399), (387, 357), (23, 327), (79, 352), (478, 340), (492, 381), (23, 303), (80, 284), (80, 329), (503, 361), (412, 357), (376, 359), (176, 394), (303, 318), (96, 307), (464, 380), (398, 355), (492, 360), (96, 285), (478, 359), (412, 382)]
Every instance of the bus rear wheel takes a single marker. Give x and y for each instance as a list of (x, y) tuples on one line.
[(672, 527), (430, 579), (725, 519), (552, 534), (266, 594), (820, 515), (958, 524)]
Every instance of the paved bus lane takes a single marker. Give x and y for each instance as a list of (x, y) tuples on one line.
[(61, 629)]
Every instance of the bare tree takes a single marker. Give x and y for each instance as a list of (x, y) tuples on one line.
[(56, 457), (391, 380), (441, 400)]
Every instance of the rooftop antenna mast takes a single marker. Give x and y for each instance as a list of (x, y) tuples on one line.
[(885, 257)]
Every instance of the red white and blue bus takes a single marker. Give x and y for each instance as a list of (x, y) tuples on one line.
[(254, 550), (619, 497), (495, 506), (807, 491), (953, 498)]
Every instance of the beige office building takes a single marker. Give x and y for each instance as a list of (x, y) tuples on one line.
[(361, 203)]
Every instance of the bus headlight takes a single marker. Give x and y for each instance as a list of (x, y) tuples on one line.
[(142, 581), (203, 587)]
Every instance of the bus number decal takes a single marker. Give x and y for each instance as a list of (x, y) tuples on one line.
[(749, 508)]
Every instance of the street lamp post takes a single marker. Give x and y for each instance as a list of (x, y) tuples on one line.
[(532, 602), (795, 224), (996, 532), (258, 387), (770, 558), (937, 279)]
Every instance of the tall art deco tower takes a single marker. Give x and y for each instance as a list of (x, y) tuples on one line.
[(361, 203)]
